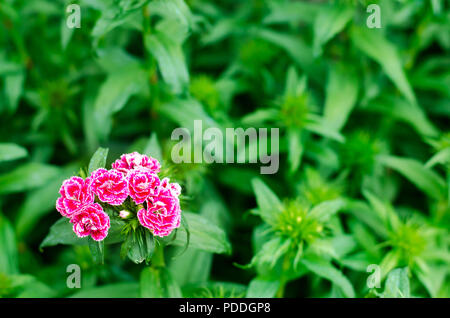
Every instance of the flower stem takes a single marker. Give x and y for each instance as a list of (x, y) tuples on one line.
[(158, 256), (283, 278)]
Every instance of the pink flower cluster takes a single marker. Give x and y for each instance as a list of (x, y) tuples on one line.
[(133, 175)]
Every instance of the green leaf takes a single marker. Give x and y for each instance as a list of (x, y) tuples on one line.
[(373, 44), (295, 150), (329, 22), (66, 33), (138, 246), (113, 17), (36, 289), (397, 284), (405, 111), (171, 9), (341, 95), (98, 160), (28, 176), (199, 264), (40, 202), (269, 206), (13, 89), (61, 232), (10, 151), (262, 288), (271, 252), (118, 290), (184, 111), (153, 148), (296, 48), (9, 258), (97, 250), (320, 126), (425, 179), (323, 211), (169, 55), (158, 283), (203, 235), (389, 262), (384, 210), (115, 92), (292, 12), (325, 269), (442, 157), (363, 213)]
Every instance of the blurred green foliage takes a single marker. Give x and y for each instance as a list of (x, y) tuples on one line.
[(363, 113)]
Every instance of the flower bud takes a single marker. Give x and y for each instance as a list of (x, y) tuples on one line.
[(124, 214)]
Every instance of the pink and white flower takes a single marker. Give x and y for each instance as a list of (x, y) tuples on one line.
[(135, 160), (91, 220), (110, 186), (75, 194), (142, 184), (174, 187), (163, 213)]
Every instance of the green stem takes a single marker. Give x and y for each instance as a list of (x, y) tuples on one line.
[(150, 61), (158, 256), (283, 278)]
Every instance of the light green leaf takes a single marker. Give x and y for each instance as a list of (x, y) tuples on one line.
[(169, 54), (97, 250), (383, 209), (295, 150), (397, 284), (203, 235), (28, 176), (323, 211), (291, 12), (138, 246), (13, 89), (321, 127), (405, 111), (296, 48), (9, 258), (329, 22), (113, 16), (171, 9), (325, 269), (39, 202), (341, 94), (10, 151), (389, 262), (98, 160), (158, 283), (425, 179), (269, 206), (61, 232), (363, 213), (36, 289), (441, 157), (373, 44), (198, 262), (153, 148), (262, 288), (118, 290), (184, 111), (114, 93)]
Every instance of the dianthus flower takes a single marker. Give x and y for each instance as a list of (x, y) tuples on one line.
[(91, 220), (135, 160), (75, 193), (173, 187), (163, 213), (141, 184), (110, 186)]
